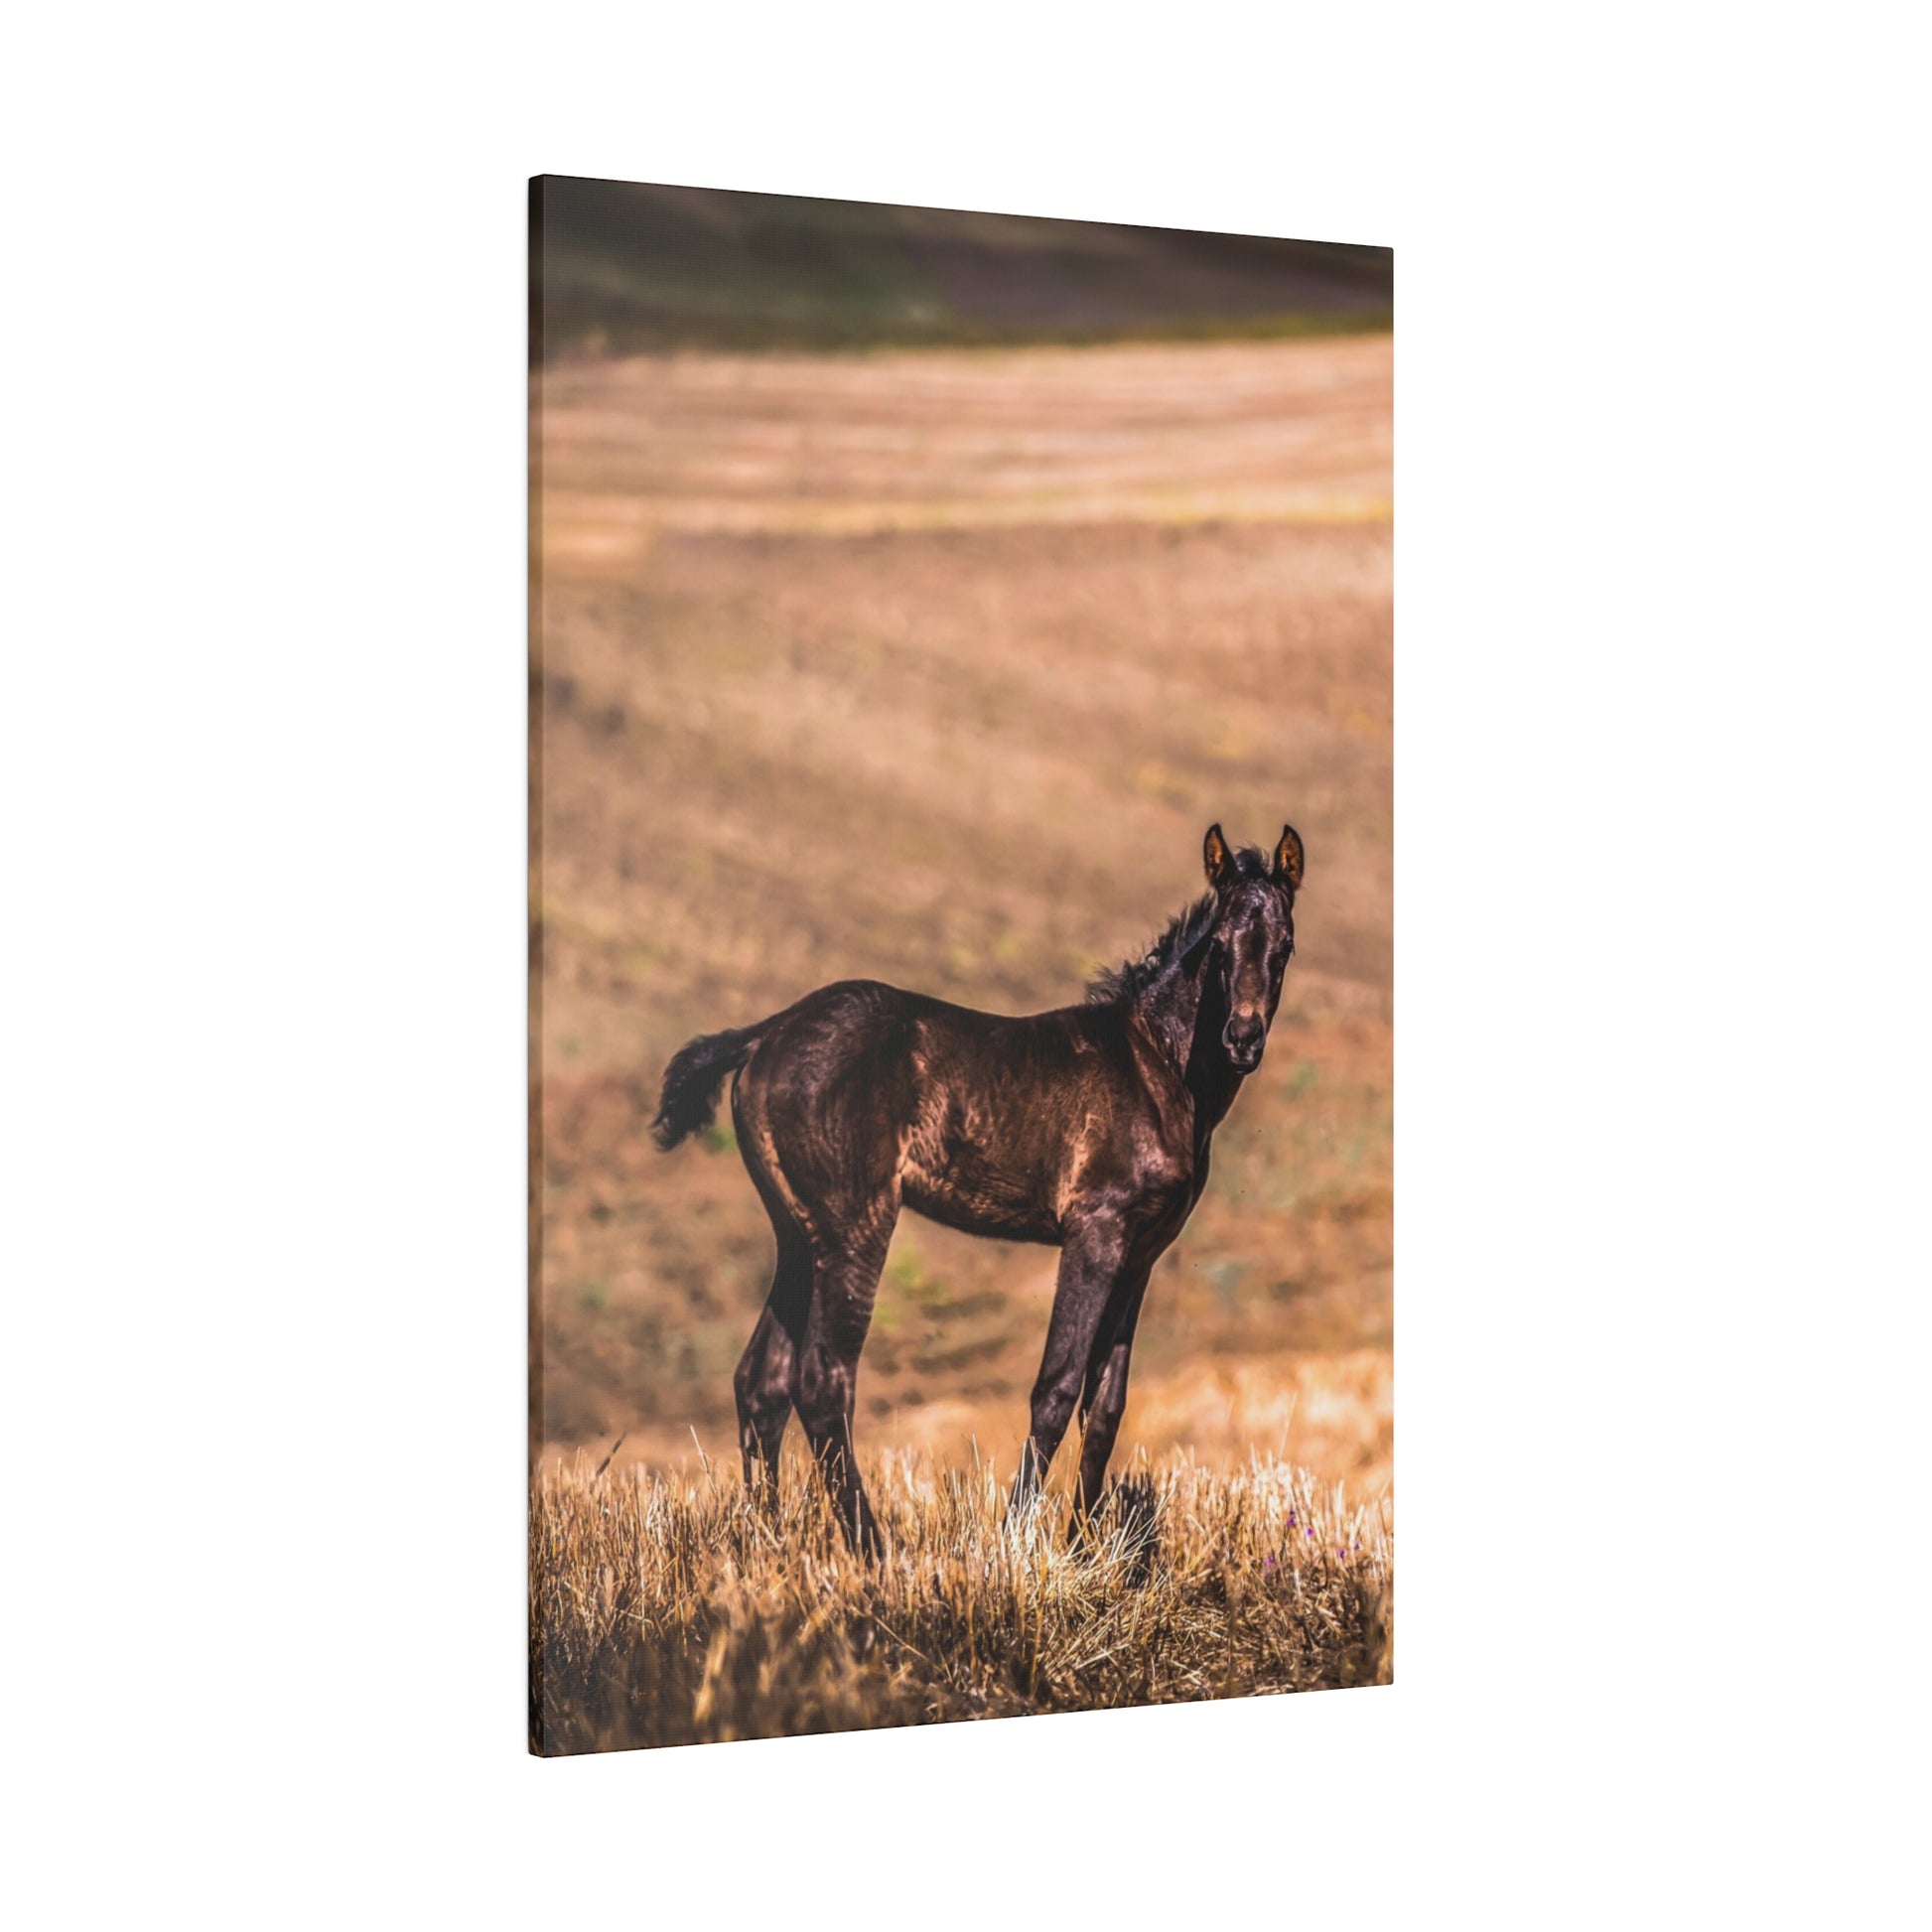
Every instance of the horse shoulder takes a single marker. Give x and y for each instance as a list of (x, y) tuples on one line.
[(1137, 1158), (1163, 1111)]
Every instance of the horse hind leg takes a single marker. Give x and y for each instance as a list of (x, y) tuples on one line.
[(833, 1188), (844, 1291), (767, 1372), (765, 1380)]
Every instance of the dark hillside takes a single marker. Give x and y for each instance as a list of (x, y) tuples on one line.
[(632, 266)]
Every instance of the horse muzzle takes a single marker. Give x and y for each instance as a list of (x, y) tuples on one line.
[(1244, 1038)]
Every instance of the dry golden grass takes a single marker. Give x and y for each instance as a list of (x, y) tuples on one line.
[(667, 1609), (844, 447)]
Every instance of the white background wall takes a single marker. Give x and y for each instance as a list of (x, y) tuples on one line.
[(1661, 713)]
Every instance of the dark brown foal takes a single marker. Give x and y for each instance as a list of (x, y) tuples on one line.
[(1086, 1127)]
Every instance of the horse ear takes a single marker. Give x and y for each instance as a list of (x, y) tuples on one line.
[(1214, 855), (1288, 858)]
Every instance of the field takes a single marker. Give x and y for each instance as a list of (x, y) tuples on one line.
[(665, 1611), (933, 666)]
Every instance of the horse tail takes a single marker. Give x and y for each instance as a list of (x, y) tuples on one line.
[(691, 1082)]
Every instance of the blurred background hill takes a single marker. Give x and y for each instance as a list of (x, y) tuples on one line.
[(630, 266), (931, 664)]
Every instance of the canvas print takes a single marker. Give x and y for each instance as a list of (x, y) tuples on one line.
[(961, 1074)]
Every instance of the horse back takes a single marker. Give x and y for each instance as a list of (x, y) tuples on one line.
[(984, 1122)]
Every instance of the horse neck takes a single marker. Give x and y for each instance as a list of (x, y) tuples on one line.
[(1186, 1013)]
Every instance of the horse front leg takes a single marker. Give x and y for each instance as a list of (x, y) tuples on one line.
[(1103, 1399), (1091, 1260)]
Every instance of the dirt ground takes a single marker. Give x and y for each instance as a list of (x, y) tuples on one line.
[(933, 668)]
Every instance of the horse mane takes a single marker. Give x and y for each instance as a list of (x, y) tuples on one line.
[(1185, 931)]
